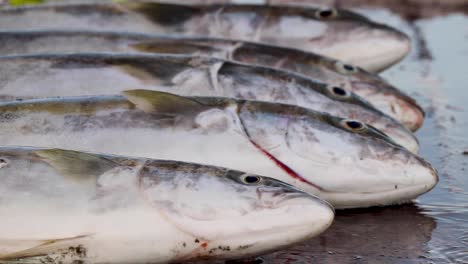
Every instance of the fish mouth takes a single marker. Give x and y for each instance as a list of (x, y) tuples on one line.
[(383, 198), (412, 115), (392, 195), (391, 101)]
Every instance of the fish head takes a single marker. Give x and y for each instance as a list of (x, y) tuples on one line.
[(344, 103), (345, 162), (356, 39), (389, 99), (230, 212), (384, 96)]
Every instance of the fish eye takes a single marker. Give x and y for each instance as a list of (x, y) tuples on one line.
[(251, 179), (326, 13), (345, 68), (354, 125), (3, 163), (338, 91)]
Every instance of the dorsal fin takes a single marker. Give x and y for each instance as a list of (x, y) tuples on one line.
[(76, 165), (162, 102)]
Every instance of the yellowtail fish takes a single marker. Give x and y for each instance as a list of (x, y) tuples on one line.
[(335, 33), (373, 88), (63, 206), (91, 74), (343, 161)]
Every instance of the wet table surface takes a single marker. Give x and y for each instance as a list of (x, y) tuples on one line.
[(435, 228)]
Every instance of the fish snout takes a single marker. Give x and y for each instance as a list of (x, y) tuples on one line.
[(412, 115), (386, 46), (428, 177)]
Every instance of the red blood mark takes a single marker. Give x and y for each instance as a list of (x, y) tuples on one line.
[(204, 245), (285, 167)]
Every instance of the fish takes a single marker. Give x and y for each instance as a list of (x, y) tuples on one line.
[(49, 75), (371, 87), (343, 161), (340, 34), (65, 206)]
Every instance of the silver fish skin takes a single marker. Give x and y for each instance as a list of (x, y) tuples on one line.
[(339, 34), (345, 162), (371, 87), (96, 208), (90, 74)]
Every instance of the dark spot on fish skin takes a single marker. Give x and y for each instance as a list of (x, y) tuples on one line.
[(184, 244), (243, 247), (396, 187), (67, 255), (225, 248), (8, 117), (465, 152), (197, 241)]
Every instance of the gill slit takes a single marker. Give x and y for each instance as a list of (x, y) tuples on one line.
[(271, 157), (139, 174)]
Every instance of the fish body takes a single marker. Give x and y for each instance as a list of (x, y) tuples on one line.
[(336, 33), (91, 74), (62, 206), (371, 87), (342, 161)]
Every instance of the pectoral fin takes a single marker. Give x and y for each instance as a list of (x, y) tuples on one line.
[(63, 246), (75, 165), (162, 102)]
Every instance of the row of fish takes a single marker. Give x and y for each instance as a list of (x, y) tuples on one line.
[(270, 92)]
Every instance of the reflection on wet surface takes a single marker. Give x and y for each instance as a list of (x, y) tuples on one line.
[(381, 235)]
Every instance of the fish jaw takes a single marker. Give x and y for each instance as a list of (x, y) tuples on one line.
[(423, 182), (291, 221), (400, 181)]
